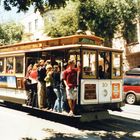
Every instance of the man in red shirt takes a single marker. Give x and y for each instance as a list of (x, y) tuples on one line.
[(70, 80)]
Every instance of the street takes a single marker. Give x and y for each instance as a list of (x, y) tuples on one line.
[(19, 125)]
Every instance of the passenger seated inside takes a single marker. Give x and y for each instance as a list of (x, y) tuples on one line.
[(107, 73), (101, 72), (87, 70), (9, 68)]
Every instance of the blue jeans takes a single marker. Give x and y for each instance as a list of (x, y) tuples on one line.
[(57, 105), (63, 98)]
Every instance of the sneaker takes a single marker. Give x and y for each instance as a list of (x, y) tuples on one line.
[(50, 109), (64, 113), (71, 114)]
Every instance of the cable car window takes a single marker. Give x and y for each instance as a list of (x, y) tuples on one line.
[(1, 65), (87, 41), (75, 55), (116, 65), (9, 65), (19, 64), (89, 64), (104, 65)]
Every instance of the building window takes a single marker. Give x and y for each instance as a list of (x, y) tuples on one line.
[(30, 26), (36, 24), (132, 35)]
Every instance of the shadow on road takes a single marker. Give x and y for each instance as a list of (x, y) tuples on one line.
[(109, 129)]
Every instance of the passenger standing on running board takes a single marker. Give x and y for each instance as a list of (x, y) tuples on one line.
[(56, 88), (33, 77), (63, 90), (70, 80), (51, 96), (27, 83), (41, 85)]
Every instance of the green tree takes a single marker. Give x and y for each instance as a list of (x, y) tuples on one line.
[(41, 5), (62, 22), (2, 35), (106, 17), (10, 33)]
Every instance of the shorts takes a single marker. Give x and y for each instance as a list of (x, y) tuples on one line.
[(71, 93)]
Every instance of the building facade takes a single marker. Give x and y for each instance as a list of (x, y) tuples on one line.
[(133, 50), (33, 27), (131, 55), (34, 30)]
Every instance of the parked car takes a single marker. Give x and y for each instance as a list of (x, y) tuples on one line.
[(133, 71), (131, 89)]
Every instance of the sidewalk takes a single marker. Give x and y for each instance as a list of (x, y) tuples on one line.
[(128, 111)]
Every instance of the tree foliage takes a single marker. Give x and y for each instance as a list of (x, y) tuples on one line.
[(41, 5), (62, 22), (105, 17), (10, 33)]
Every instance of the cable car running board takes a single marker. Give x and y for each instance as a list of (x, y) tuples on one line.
[(100, 115)]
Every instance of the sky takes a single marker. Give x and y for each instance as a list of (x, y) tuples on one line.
[(6, 16)]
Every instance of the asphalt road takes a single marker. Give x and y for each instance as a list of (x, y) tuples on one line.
[(18, 124)]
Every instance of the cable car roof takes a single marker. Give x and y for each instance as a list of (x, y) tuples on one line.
[(68, 42), (74, 46)]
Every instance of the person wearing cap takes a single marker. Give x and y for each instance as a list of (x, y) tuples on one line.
[(47, 62), (41, 85), (70, 80)]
